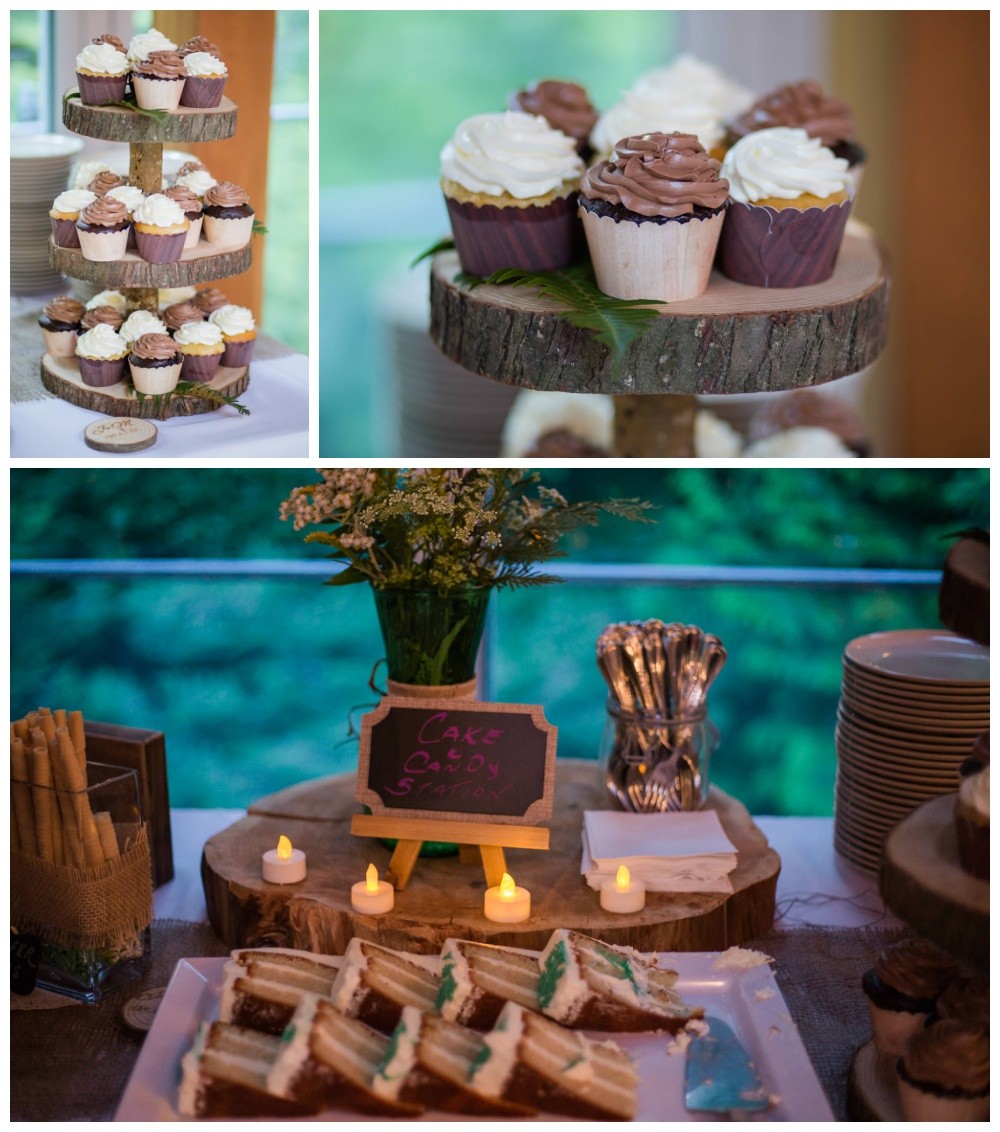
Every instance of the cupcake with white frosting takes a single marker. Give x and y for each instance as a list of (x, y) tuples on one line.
[(86, 171), (101, 353), (102, 72), (239, 333), (139, 46), (192, 208), (205, 80), (109, 299), (131, 196), (64, 214), (141, 322), (199, 181), (201, 347), (161, 229)]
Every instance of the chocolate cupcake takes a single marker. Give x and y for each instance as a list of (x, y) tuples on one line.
[(158, 81), (131, 197), (564, 105), (103, 230), (199, 43), (228, 217), (160, 229), (60, 323), (965, 999), (101, 353), (191, 207), (206, 79), (64, 214), (209, 299), (155, 364), (652, 216), (201, 347), (239, 334), (102, 71), (104, 182), (944, 1073), (95, 316), (113, 40), (902, 989), (177, 315)]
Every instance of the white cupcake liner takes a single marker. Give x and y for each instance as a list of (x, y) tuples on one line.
[(103, 247), (668, 262), (892, 1029), (157, 94), (193, 234), (228, 233), (155, 379), (919, 1105), (60, 343)]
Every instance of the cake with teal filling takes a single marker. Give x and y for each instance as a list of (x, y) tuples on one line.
[(261, 989), (478, 979), (375, 983), (589, 985)]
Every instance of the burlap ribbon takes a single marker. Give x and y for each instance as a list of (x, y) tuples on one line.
[(99, 906)]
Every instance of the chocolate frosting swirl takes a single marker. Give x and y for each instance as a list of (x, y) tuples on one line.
[(658, 175), (107, 315), (64, 309), (105, 212), (105, 181), (107, 37), (226, 194), (801, 105), (916, 968), (210, 299), (154, 347), (161, 65), (565, 106), (175, 316), (966, 1000), (188, 201), (199, 43), (951, 1055)]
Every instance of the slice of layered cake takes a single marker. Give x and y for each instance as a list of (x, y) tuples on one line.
[(478, 979), (261, 988), (589, 985), (375, 983), (225, 1074), (528, 1059), (328, 1060)]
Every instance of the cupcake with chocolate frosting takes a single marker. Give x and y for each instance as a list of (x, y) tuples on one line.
[(104, 182), (60, 323), (64, 214), (158, 81), (228, 217), (191, 205), (97, 315), (198, 43), (209, 299), (131, 196), (652, 215), (206, 78), (965, 999), (944, 1073), (902, 989), (103, 230), (102, 71), (114, 40), (101, 354), (160, 229), (177, 315), (201, 347), (564, 105), (155, 364)]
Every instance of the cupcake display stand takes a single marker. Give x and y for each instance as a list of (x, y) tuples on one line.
[(137, 279), (731, 339)]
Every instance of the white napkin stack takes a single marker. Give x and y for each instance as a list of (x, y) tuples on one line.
[(672, 852)]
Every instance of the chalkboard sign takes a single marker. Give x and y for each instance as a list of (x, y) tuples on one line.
[(437, 759)]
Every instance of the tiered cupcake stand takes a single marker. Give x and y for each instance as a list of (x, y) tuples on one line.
[(731, 339), (137, 279)]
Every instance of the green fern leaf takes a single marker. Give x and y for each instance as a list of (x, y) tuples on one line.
[(207, 393), (445, 245)]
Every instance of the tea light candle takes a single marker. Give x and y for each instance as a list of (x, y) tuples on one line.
[(284, 865), (506, 903), (623, 894), (371, 895)]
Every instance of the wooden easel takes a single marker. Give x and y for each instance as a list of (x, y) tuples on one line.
[(477, 841)]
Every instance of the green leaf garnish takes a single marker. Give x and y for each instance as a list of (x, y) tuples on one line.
[(189, 389), (258, 229), (445, 245)]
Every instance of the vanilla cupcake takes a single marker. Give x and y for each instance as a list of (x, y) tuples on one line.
[(167, 296), (155, 364), (161, 229), (101, 353), (206, 78), (198, 179), (86, 171), (902, 989), (139, 46), (158, 81), (652, 216), (141, 322), (790, 202), (201, 348), (103, 230), (944, 1073), (131, 197), (228, 217), (192, 210), (510, 182), (64, 214), (238, 334), (60, 323), (109, 299), (102, 72)]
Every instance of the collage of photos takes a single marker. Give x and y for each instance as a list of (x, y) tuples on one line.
[(614, 743)]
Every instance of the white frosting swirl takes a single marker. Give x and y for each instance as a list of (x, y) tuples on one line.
[(108, 299), (700, 83), (139, 46), (129, 195), (805, 441), (975, 792), (783, 163), (86, 171), (102, 342), (202, 65), (167, 296), (657, 110), (232, 319), (198, 334), (102, 59), (159, 212), (199, 181), (139, 323), (519, 154), (73, 200)]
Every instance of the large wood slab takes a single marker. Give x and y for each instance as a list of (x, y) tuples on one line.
[(120, 124), (445, 897), (204, 263)]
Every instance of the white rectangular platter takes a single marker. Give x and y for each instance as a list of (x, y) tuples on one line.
[(748, 999)]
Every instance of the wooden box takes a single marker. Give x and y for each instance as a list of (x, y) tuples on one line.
[(146, 753)]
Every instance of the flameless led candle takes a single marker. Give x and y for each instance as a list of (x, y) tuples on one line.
[(284, 865), (506, 903), (623, 894), (371, 895)]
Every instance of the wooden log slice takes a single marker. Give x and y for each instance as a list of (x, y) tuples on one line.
[(61, 376), (120, 124), (200, 264), (445, 897), (923, 883), (872, 1088), (731, 339)]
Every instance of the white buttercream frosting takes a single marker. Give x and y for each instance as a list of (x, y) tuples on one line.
[(348, 983), (741, 959), (519, 154), (167, 296), (232, 319), (802, 441), (783, 163), (73, 200), (198, 334), (86, 171), (199, 181), (402, 1056), (202, 65), (491, 1073), (701, 83), (101, 342), (590, 416), (129, 195), (295, 1047), (139, 46), (139, 323), (656, 110), (974, 792), (715, 437), (159, 211), (102, 59), (108, 299), (455, 965)]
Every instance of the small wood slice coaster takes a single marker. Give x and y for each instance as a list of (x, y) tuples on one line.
[(120, 434), (138, 1013)]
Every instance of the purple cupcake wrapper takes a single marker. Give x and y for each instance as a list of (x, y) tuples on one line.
[(199, 367), (64, 233), (238, 354), (202, 93), (537, 238), (95, 90), (164, 248), (100, 372)]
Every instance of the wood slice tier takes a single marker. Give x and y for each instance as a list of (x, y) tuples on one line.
[(203, 263), (119, 124), (924, 884), (61, 376), (445, 897), (731, 339)]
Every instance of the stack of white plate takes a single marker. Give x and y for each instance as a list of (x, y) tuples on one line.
[(912, 703), (39, 171)]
